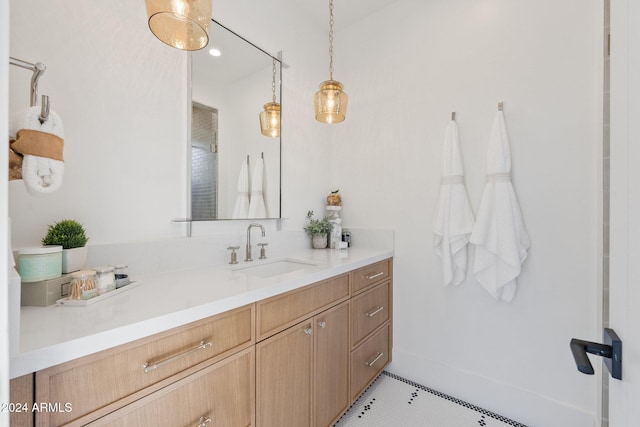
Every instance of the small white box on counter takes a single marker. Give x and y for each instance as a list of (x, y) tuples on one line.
[(45, 292)]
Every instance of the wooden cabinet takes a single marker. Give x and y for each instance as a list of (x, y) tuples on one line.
[(219, 395), (371, 320), (21, 399), (303, 372), (100, 383), (309, 374), (278, 313), (284, 370), (369, 359), (371, 275), (331, 373), (298, 359), (369, 310)]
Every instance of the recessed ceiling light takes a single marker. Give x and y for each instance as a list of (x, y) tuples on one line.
[(214, 52)]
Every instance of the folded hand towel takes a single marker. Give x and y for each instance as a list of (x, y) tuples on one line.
[(453, 221), (241, 208), (257, 208), (41, 144), (499, 234)]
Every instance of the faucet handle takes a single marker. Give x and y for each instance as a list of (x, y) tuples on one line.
[(263, 254), (234, 255)]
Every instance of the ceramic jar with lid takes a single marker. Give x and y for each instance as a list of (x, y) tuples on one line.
[(122, 277), (83, 285), (105, 279)]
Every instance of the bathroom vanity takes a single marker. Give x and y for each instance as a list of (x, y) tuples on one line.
[(288, 349)]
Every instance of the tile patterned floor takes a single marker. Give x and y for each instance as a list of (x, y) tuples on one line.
[(392, 401)]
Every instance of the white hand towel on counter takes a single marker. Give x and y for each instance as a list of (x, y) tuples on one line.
[(453, 221), (241, 208), (41, 175), (499, 234), (257, 208)]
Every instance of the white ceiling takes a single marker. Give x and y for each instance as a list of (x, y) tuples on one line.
[(346, 12)]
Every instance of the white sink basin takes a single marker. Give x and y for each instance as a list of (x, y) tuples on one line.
[(275, 268)]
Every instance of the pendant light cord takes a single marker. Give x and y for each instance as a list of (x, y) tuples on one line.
[(330, 39)]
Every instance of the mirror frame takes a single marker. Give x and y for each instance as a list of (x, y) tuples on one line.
[(190, 101)]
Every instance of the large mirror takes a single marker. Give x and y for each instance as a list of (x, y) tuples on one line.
[(235, 169)]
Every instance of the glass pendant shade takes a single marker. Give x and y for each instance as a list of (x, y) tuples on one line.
[(270, 120), (183, 24), (331, 102)]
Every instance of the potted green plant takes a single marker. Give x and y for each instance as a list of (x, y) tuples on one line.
[(318, 230), (69, 234)]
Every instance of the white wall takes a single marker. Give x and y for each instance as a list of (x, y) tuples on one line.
[(541, 58), (125, 176), (406, 68), (118, 92)]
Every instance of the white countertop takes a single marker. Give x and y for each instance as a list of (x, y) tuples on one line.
[(53, 335)]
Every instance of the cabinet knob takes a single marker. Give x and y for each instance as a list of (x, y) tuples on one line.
[(322, 324), (308, 331)]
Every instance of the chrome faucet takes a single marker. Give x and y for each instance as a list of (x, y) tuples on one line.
[(248, 254)]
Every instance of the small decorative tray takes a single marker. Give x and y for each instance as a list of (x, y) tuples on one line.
[(85, 302)]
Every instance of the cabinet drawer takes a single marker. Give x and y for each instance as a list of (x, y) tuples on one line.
[(371, 274), (368, 360), (221, 393), (369, 310), (278, 313), (93, 384)]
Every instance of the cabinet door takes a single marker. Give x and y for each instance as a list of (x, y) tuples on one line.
[(331, 365), (219, 395), (284, 369)]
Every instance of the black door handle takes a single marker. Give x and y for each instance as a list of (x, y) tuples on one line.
[(611, 350)]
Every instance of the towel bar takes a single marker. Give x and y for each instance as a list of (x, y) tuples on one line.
[(38, 69)]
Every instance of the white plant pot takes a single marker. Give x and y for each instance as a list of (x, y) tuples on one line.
[(74, 259), (319, 241)]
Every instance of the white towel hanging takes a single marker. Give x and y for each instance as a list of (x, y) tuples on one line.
[(499, 234), (241, 208), (257, 208), (41, 175), (453, 221)]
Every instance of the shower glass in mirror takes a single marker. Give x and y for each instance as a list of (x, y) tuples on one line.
[(235, 170)]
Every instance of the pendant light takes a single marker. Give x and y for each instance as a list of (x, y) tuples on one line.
[(331, 100), (183, 24), (270, 117)]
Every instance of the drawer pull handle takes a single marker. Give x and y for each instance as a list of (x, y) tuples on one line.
[(376, 311), (322, 324), (375, 359), (308, 331), (375, 275), (204, 421), (152, 366)]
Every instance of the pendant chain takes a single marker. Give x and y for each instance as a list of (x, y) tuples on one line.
[(330, 39)]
